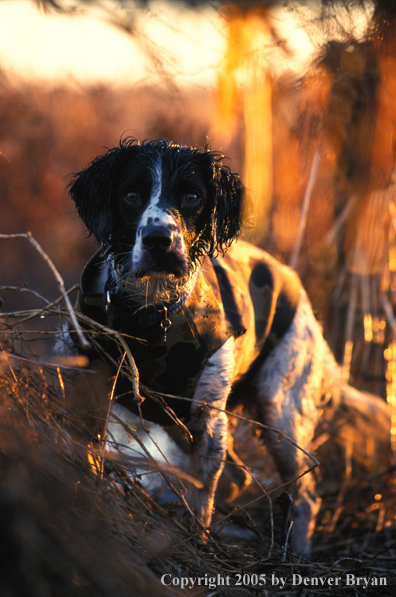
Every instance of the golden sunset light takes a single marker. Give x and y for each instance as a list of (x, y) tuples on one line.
[(84, 47)]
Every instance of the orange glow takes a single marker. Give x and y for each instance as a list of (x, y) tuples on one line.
[(244, 95), (367, 232), (84, 47), (390, 358)]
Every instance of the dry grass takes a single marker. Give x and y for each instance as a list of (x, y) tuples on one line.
[(75, 528)]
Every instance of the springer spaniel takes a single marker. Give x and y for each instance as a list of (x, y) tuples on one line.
[(210, 322)]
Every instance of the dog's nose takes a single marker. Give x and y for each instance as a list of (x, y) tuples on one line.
[(157, 238)]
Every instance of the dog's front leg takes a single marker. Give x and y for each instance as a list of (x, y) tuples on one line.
[(210, 426)]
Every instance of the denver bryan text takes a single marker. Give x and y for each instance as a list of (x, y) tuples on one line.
[(348, 579)]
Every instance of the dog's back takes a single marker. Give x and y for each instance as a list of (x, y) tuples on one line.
[(260, 296)]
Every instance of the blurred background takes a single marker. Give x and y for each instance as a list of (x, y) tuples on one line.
[(299, 96)]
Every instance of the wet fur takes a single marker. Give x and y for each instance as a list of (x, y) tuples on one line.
[(300, 370)]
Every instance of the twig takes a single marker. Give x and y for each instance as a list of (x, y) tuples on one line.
[(305, 208), (28, 236), (345, 559), (348, 345), (281, 434), (32, 313), (268, 493), (62, 386), (56, 364), (108, 414), (265, 494), (135, 436), (156, 506), (29, 290), (285, 501), (341, 494), (287, 542), (114, 453), (135, 374)]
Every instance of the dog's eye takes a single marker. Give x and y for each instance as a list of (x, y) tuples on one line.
[(191, 198), (132, 197)]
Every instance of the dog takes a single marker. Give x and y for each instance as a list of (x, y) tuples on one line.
[(208, 319)]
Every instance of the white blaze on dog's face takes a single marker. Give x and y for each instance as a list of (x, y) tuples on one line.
[(160, 213), (157, 231)]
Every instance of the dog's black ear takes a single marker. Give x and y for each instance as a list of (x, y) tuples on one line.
[(91, 190), (225, 218)]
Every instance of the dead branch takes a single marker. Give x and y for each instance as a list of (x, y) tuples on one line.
[(28, 236)]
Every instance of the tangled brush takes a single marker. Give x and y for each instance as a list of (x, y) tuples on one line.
[(79, 520)]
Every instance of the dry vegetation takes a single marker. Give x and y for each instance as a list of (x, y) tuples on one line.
[(75, 525)]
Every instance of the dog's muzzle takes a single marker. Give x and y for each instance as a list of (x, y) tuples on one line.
[(157, 239)]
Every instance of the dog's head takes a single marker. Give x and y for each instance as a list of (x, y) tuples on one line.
[(159, 205)]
